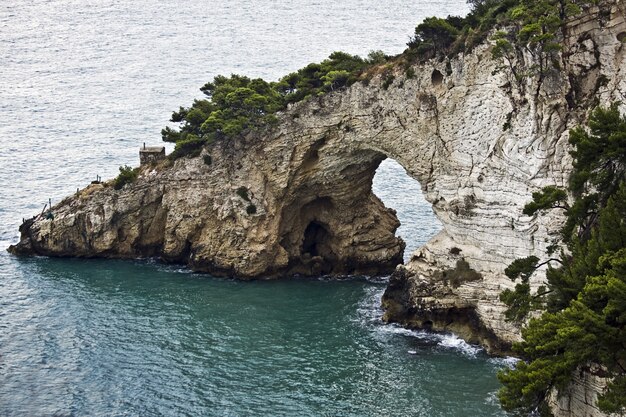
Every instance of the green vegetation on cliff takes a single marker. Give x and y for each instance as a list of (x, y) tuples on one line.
[(533, 26), (584, 299), (584, 302), (126, 176), (237, 104)]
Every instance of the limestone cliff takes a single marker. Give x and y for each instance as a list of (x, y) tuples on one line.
[(297, 198)]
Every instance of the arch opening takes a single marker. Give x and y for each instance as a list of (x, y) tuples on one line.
[(354, 213), (403, 193), (333, 223)]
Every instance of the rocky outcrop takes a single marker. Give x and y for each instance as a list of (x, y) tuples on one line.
[(297, 199), (284, 205), (480, 202)]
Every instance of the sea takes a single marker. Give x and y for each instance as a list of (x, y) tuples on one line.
[(83, 84)]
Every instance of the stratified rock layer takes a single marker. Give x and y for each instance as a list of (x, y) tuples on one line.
[(579, 398), (297, 198)]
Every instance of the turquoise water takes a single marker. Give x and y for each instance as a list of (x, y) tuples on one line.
[(130, 338), (83, 83)]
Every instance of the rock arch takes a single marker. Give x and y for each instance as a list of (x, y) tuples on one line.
[(478, 142), (310, 181)]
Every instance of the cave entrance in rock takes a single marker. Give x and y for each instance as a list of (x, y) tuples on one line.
[(338, 219), (316, 240), (401, 192)]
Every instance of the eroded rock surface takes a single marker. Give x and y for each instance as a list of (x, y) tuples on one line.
[(579, 398)]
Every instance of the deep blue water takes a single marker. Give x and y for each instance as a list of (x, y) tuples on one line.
[(83, 83)]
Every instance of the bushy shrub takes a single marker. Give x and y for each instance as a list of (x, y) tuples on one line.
[(388, 81), (190, 147), (435, 34), (460, 274), (126, 176)]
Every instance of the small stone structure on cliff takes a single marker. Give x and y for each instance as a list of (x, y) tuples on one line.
[(151, 154)]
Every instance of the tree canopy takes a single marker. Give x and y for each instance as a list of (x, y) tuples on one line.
[(535, 26), (237, 104)]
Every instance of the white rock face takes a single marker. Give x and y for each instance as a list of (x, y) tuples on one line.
[(297, 198), (579, 399), (482, 172)]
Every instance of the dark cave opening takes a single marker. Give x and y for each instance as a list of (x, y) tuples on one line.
[(316, 240)]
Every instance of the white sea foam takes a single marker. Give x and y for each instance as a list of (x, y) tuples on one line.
[(369, 313), (492, 398), (455, 342), (508, 361)]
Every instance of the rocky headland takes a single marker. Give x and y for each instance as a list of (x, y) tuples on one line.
[(296, 198)]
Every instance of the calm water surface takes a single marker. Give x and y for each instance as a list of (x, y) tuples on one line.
[(82, 84)]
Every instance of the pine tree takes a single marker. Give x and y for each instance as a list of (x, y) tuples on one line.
[(585, 315)]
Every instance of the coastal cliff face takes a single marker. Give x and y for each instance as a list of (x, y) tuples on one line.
[(297, 199)]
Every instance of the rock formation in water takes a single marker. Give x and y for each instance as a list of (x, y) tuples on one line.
[(297, 198)]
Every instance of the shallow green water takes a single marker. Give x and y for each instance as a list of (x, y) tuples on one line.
[(130, 338)]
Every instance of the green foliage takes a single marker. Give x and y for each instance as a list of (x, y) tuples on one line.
[(455, 34), (191, 146), (376, 58), (520, 301), (251, 209), (522, 268), (338, 71), (207, 159), (388, 81), (549, 197), (553, 347), (589, 329), (461, 273), (237, 104), (585, 299), (504, 45), (435, 34), (126, 176), (599, 154), (536, 26), (335, 79), (613, 400), (608, 235)]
